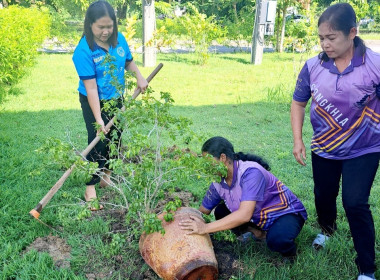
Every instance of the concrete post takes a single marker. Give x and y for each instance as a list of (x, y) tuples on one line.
[(257, 37), (149, 25)]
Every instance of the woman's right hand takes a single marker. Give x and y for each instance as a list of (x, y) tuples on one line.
[(297, 117), (94, 102), (299, 152), (102, 127), (193, 225)]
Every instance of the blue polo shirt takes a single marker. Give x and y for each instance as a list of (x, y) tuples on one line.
[(90, 64), (344, 111)]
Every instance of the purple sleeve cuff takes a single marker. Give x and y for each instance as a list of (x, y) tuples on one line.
[(212, 198), (302, 92)]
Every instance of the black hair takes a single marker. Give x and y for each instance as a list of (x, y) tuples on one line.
[(341, 17), (95, 11), (218, 145)]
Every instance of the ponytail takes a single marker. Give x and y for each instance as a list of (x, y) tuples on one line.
[(252, 157), (216, 146)]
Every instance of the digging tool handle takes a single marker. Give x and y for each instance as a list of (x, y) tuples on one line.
[(110, 123), (36, 211)]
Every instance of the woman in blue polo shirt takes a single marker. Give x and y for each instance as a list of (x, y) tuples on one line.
[(101, 38), (345, 114), (249, 199)]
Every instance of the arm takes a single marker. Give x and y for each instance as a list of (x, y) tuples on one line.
[(297, 116), (243, 215), (93, 101), (204, 210), (142, 84)]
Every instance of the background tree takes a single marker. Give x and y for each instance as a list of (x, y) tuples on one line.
[(282, 7), (361, 8)]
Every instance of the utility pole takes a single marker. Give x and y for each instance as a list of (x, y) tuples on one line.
[(257, 36), (149, 25), (265, 18)]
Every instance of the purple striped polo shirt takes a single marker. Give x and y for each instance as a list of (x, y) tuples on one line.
[(345, 111), (252, 182)]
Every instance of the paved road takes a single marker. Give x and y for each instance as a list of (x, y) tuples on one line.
[(373, 44)]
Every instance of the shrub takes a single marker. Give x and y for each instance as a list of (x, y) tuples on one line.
[(242, 28), (163, 9), (64, 28), (202, 30), (19, 40), (145, 165), (301, 35), (172, 25)]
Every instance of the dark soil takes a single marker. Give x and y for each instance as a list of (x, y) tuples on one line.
[(224, 253)]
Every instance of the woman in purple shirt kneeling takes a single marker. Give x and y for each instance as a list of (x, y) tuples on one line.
[(249, 199)]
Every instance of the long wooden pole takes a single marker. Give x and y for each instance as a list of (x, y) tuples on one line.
[(37, 210)]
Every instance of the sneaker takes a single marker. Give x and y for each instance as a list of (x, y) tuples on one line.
[(365, 277), (320, 241), (247, 237)]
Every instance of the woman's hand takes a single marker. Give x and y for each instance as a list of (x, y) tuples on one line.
[(102, 127), (299, 152), (297, 116), (142, 84), (94, 102), (194, 225)]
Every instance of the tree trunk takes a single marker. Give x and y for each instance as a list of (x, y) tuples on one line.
[(278, 30), (283, 29), (235, 12)]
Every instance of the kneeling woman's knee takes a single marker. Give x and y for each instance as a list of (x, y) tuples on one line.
[(280, 243)]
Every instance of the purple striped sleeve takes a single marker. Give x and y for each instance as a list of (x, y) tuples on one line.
[(212, 198), (302, 91)]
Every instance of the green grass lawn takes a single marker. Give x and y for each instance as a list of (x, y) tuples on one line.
[(229, 97), (370, 36)]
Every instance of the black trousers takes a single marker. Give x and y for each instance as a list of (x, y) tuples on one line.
[(100, 153), (280, 236), (357, 178)]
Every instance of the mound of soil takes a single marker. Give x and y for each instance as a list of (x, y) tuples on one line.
[(185, 197), (56, 247)]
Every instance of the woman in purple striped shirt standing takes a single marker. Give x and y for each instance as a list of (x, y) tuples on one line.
[(343, 85)]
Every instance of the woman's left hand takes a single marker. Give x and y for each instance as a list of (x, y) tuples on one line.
[(194, 225), (142, 84)]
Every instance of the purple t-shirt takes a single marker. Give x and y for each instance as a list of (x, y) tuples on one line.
[(251, 182), (345, 111)]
